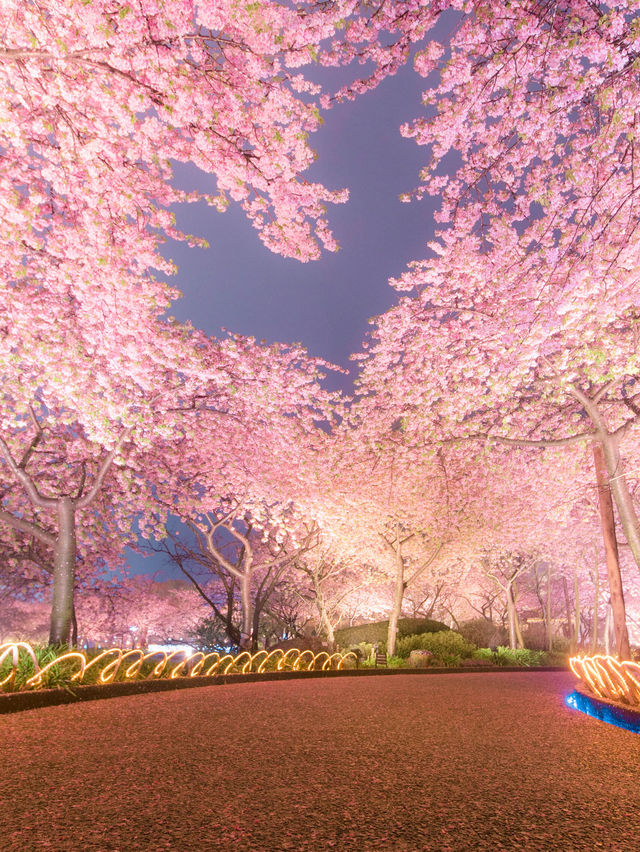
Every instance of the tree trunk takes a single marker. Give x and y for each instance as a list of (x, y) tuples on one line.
[(611, 551), (549, 624), (396, 609), (331, 637), (230, 628), (247, 619), (516, 619), (326, 627), (74, 626), (594, 637), (610, 454), (607, 630), (567, 608), (511, 616), (576, 613), (63, 574), (255, 628)]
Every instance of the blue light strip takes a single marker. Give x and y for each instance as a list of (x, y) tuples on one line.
[(627, 719)]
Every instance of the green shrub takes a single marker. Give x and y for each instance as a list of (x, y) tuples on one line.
[(484, 654), (418, 626), (396, 662), (449, 660), (444, 645), (58, 676), (363, 650), (377, 631), (519, 657)]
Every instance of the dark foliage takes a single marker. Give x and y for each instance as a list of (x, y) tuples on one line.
[(377, 631)]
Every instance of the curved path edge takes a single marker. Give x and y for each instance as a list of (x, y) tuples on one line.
[(15, 702), (605, 710)]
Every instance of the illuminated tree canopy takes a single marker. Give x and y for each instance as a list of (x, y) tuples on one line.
[(460, 472)]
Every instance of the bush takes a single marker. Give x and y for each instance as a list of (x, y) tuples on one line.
[(447, 646), (377, 631), (418, 626), (419, 658), (474, 661), (512, 657), (363, 651), (484, 654), (483, 633)]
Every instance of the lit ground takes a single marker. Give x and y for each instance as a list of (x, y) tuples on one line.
[(453, 762)]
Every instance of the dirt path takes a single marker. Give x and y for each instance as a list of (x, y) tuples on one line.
[(458, 762)]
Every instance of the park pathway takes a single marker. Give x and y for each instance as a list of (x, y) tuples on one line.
[(451, 762)]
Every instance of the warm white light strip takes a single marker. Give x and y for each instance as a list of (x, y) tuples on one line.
[(110, 662), (607, 677)]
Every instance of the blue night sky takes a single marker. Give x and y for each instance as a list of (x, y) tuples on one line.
[(238, 284)]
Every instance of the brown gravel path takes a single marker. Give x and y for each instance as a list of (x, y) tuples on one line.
[(454, 762)]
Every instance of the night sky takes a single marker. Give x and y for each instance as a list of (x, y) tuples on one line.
[(238, 284)]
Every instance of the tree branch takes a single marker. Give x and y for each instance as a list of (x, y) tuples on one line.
[(85, 501), (425, 565), (35, 441), (25, 480), (28, 527), (529, 442)]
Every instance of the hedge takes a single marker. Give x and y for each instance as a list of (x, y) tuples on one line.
[(377, 631), (447, 646)]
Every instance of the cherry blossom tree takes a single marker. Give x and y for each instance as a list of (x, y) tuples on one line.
[(330, 581), (98, 101), (247, 454), (521, 326), (99, 98), (24, 620), (241, 558), (138, 609), (402, 511), (64, 505)]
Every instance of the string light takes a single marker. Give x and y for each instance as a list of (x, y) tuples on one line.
[(14, 650), (298, 662), (270, 656), (607, 677), (110, 662), (36, 679)]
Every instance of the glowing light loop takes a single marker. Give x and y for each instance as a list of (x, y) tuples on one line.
[(130, 664), (607, 677)]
